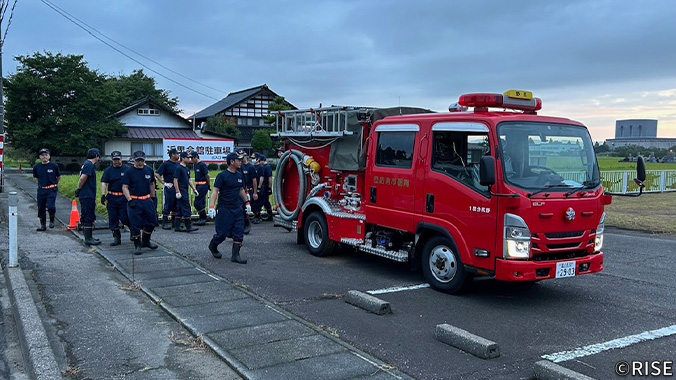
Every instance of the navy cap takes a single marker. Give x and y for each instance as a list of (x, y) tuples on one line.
[(194, 154), (43, 150), (139, 155), (116, 155), (173, 151), (261, 158), (233, 156), (184, 155), (93, 153)]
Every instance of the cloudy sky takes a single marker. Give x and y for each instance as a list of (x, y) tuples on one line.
[(590, 60)]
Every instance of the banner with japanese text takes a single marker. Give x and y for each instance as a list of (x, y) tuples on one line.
[(209, 150)]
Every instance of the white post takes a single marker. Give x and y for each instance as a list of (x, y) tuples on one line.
[(13, 203), (624, 182)]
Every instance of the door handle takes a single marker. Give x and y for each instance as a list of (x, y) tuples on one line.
[(374, 195), (429, 206)]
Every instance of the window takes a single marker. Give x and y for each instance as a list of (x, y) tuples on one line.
[(457, 154), (148, 111), (395, 149), (150, 149)]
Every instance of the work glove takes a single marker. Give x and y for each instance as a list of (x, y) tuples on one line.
[(132, 203), (103, 200), (212, 213), (77, 193), (248, 198), (248, 208), (168, 185), (197, 193), (179, 195)]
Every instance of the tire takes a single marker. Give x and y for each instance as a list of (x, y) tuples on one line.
[(442, 266), (316, 234)]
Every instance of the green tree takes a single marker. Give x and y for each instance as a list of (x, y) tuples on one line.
[(223, 126), (132, 88), (279, 104), (56, 101), (261, 140)]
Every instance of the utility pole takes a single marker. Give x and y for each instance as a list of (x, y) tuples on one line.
[(4, 5)]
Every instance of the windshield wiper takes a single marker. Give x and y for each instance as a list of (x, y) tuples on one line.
[(585, 185), (547, 187)]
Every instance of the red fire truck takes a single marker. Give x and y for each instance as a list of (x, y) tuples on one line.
[(479, 192)]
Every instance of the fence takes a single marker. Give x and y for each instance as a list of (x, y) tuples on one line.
[(622, 182)]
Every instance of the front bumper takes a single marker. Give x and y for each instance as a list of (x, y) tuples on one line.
[(525, 271)]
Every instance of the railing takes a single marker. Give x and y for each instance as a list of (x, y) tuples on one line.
[(622, 182)]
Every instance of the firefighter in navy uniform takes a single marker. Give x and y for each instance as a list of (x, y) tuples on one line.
[(249, 174), (48, 176), (229, 190), (86, 191), (203, 185), (113, 198), (265, 188), (258, 173), (138, 186), (165, 176), (182, 184)]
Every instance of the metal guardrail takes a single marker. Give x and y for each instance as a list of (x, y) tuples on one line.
[(622, 182)]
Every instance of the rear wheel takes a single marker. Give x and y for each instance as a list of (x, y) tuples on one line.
[(442, 266), (316, 233)]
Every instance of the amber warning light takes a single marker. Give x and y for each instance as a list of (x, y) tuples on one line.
[(513, 99)]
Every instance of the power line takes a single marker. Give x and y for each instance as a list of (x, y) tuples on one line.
[(78, 23)]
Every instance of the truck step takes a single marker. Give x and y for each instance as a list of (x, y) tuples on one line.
[(365, 246), (290, 226)]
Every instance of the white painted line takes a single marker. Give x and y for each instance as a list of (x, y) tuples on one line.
[(214, 277), (398, 289), (611, 344)]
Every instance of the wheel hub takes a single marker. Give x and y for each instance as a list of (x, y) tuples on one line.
[(315, 234), (442, 263)]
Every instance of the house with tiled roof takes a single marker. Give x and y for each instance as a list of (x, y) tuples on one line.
[(148, 122), (245, 108)]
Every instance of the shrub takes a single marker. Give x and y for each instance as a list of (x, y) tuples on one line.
[(73, 167), (62, 167), (224, 166), (212, 167)]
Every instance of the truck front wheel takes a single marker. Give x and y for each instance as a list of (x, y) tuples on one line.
[(442, 266), (316, 232)]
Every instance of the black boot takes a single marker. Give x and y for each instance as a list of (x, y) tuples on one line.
[(256, 218), (268, 218), (247, 224), (165, 222), (145, 240), (43, 225), (51, 220), (137, 245), (203, 218), (213, 247), (89, 240), (188, 225), (117, 236), (177, 225), (235, 254)]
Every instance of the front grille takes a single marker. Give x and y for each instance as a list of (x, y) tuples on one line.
[(563, 246), (560, 256), (562, 235)]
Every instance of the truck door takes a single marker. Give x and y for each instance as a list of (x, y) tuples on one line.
[(454, 197), (390, 177)]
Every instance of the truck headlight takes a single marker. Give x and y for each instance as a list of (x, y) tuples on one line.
[(598, 242), (517, 238)]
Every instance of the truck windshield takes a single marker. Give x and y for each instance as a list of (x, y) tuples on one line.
[(548, 157)]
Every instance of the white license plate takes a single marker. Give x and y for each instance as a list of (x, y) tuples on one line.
[(565, 269)]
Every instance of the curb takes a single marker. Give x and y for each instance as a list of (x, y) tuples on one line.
[(546, 370), (38, 355), (467, 341)]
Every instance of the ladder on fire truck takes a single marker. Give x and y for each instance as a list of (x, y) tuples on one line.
[(319, 122)]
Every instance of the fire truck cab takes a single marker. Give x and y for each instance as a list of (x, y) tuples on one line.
[(505, 193)]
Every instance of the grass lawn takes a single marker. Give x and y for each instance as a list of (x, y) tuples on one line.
[(651, 212), (613, 163)]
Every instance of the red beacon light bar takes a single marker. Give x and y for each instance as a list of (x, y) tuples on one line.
[(513, 99)]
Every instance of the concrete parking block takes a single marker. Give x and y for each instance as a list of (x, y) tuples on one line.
[(467, 341), (368, 302), (285, 351), (546, 370), (261, 334)]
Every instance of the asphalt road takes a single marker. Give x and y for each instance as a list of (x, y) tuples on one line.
[(634, 294)]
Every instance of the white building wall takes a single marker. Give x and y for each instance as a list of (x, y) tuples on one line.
[(163, 120), (123, 146)]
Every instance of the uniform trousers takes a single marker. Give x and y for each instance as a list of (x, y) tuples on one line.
[(88, 206), (117, 211), (46, 202), (229, 223), (143, 216), (169, 201)]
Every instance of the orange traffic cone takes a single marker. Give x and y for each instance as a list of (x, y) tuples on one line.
[(74, 217)]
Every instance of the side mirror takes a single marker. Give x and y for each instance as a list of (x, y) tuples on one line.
[(640, 174), (487, 171)]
